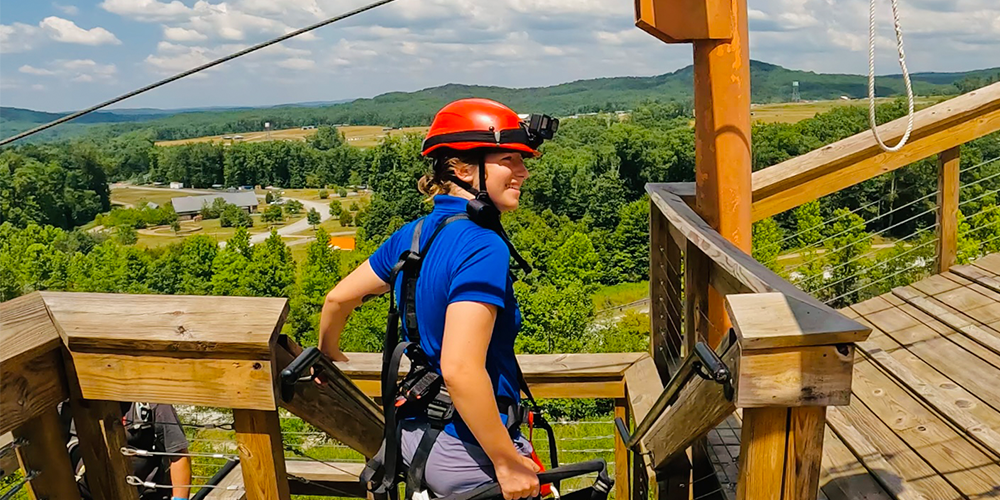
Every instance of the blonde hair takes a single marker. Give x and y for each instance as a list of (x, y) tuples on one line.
[(437, 180)]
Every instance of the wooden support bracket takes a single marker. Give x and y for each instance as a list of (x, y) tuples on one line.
[(45, 453), (262, 456)]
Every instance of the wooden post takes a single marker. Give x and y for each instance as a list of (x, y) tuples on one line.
[(805, 452), (762, 454), (262, 457), (46, 454), (664, 295), (99, 428), (722, 144), (621, 453), (947, 212), (696, 300)]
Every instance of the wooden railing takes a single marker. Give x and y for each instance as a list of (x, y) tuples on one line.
[(95, 350), (790, 355)]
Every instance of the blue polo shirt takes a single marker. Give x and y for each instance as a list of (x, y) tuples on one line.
[(467, 263)]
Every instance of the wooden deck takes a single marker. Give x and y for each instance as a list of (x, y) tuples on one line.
[(924, 418)]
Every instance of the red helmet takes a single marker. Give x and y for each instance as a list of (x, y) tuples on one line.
[(479, 123)]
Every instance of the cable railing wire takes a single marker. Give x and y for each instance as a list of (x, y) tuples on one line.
[(821, 224), (192, 71), (855, 259), (980, 164), (878, 264), (872, 283)]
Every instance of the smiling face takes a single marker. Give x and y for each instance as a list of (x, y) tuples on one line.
[(505, 174)]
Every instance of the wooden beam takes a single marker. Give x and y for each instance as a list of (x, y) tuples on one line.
[(699, 407), (762, 454), (99, 429), (798, 376), (31, 365), (643, 386), (948, 188), (219, 382), (678, 21), (858, 158), (664, 291), (45, 453), (262, 456), (768, 320), (804, 452), (696, 320), (242, 327), (337, 407)]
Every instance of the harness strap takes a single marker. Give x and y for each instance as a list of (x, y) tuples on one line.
[(391, 436)]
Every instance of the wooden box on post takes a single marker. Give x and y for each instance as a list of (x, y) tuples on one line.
[(680, 21), (174, 349), (793, 353)]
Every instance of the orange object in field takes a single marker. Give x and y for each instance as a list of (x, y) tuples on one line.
[(343, 242)]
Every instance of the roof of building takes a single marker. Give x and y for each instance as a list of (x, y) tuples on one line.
[(186, 204)]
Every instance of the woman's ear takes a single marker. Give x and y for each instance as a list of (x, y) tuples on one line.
[(465, 173)]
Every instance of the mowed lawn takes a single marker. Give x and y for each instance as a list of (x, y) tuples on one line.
[(132, 196), (356, 135), (211, 228), (793, 112)]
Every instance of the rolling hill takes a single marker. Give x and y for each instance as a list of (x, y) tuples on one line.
[(769, 83)]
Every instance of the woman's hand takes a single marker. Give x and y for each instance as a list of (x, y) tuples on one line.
[(518, 478)]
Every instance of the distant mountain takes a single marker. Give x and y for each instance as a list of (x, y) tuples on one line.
[(769, 83)]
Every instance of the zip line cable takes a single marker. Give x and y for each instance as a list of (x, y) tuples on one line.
[(192, 71), (871, 78)]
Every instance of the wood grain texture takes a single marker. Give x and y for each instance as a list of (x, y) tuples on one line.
[(258, 438), (989, 263), (723, 254), (804, 376), (684, 20), (696, 323), (622, 468), (700, 406), (948, 187), (321, 478), (762, 454), (964, 410), (99, 428), (46, 453), (951, 317), (337, 407), (643, 386), (227, 383), (843, 476), (8, 461), (26, 329), (171, 324), (898, 469), (858, 158), (964, 465), (768, 320), (804, 452), (30, 387), (979, 275)]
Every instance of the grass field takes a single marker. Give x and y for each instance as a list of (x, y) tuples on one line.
[(620, 294), (356, 135), (792, 112), (211, 228), (132, 196)]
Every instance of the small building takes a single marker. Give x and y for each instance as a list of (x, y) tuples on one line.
[(341, 242), (187, 207), (176, 185)]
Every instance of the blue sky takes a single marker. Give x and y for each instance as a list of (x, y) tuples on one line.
[(58, 56)]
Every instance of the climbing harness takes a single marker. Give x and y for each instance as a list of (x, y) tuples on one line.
[(871, 77)]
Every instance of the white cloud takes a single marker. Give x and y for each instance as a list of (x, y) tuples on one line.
[(147, 10), (69, 10), (18, 37), (178, 34), (63, 30), (37, 87), (31, 70), (297, 63)]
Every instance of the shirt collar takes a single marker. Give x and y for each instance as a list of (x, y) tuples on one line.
[(450, 205)]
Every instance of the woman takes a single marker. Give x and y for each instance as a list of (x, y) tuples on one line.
[(468, 316)]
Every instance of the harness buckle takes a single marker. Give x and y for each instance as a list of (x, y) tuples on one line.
[(440, 409)]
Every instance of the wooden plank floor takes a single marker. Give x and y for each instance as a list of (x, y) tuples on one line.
[(924, 418)]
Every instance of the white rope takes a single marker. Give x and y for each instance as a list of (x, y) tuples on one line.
[(871, 77)]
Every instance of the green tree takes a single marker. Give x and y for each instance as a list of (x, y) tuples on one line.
[(269, 198), (630, 242), (341, 192), (175, 226), (319, 272), (336, 208), (327, 138), (553, 318), (808, 223), (313, 217), (230, 266), (234, 216), (346, 219), (294, 207), (323, 194), (354, 206), (607, 199), (272, 214), (767, 238), (271, 272), (574, 262), (846, 255), (355, 179), (126, 235)]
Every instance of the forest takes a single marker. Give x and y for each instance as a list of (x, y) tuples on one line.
[(583, 223)]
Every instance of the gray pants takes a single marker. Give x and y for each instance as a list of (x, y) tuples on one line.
[(453, 466)]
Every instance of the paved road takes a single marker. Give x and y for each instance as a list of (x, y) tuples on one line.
[(297, 226)]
